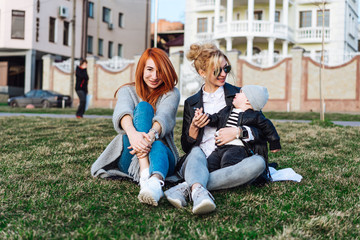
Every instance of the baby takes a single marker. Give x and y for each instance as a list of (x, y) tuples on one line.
[(246, 111)]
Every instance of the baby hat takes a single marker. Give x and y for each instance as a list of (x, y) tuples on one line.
[(257, 96)]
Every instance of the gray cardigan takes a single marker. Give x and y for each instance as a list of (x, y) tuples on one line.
[(165, 115)]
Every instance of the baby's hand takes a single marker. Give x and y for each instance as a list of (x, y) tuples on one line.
[(275, 150), (198, 112)]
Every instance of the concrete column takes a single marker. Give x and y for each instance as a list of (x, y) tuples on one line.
[(91, 72), (249, 48), (47, 76), (272, 15), (285, 48), (250, 15), (295, 95), (229, 16), (271, 51), (217, 14), (285, 14), (233, 57), (176, 62), (30, 61), (228, 43)]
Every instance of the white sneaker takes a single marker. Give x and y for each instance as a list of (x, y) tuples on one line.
[(178, 194), (203, 201), (151, 191)]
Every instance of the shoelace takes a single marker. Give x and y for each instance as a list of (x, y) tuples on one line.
[(185, 190), (200, 189)]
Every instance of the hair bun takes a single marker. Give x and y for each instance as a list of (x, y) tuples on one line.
[(194, 52)]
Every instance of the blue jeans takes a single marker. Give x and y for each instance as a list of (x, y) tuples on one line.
[(162, 160), (194, 170)]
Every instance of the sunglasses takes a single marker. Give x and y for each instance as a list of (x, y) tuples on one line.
[(226, 69)]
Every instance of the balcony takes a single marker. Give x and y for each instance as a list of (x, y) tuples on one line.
[(264, 29), (312, 35), (205, 5)]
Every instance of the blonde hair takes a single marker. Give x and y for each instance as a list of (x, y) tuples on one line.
[(206, 57)]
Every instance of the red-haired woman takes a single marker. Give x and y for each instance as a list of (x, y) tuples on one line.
[(144, 117)]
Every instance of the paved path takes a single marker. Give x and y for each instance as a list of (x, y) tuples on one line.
[(3, 114)]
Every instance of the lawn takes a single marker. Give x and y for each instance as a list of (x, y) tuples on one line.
[(46, 191)]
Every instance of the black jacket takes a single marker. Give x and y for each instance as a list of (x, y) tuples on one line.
[(82, 79), (251, 118), (196, 101), (187, 142)]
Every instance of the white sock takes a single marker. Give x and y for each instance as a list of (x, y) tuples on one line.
[(144, 174)]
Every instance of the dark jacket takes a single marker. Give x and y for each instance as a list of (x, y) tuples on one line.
[(251, 118), (82, 79), (196, 101)]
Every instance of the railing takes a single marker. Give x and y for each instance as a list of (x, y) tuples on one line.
[(65, 66), (312, 34), (204, 4), (115, 64), (203, 37), (259, 29)]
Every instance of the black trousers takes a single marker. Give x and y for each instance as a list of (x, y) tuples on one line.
[(225, 156), (81, 109)]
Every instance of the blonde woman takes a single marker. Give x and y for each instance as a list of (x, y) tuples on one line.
[(198, 140)]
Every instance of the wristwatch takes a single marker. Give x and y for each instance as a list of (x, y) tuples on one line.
[(156, 134)]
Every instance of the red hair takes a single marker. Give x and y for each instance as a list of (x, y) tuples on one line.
[(165, 72)]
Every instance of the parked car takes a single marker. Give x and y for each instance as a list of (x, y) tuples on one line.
[(41, 98)]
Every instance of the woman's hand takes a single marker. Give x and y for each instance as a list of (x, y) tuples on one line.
[(200, 119), (225, 135), (139, 142)]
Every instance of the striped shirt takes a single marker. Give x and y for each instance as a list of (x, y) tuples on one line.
[(232, 122)]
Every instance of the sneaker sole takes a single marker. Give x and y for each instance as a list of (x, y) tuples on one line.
[(145, 197), (175, 202), (206, 206)]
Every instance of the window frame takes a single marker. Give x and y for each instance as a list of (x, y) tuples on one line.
[(327, 18), (14, 18), (100, 47), (202, 24), (120, 50), (121, 20), (110, 49), (66, 35), (104, 10), (301, 19), (90, 9), (89, 44), (52, 30)]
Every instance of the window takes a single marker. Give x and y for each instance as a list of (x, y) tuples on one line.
[(120, 53), (66, 33), (258, 15), (326, 19), (18, 24), (110, 49), (121, 20), (100, 47), (90, 44), (305, 19), (277, 16), (52, 29), (202, 25), (91, 10), (106, 15)]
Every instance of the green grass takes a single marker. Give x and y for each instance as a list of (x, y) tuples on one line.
[(46, 191), (271, 115)]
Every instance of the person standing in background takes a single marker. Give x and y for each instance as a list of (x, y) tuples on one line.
[(81, 86)]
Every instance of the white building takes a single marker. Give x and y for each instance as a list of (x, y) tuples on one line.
[(274, 26), (30, 29)]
